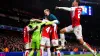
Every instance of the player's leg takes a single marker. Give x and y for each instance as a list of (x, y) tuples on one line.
[(27, 47), (48, 51), (58, 53), (33, 44), (55, 45), (52, 51), (31, 52), (38, 48), (42, 45), (41, 50), (62, 36), (78, 33), (48, 46), (54, 39)]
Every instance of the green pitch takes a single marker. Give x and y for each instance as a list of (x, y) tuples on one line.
[(82, 55)]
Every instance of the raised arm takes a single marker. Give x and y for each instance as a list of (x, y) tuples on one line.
[(33, 29), (29, 28), (64, 8), (37, 20)]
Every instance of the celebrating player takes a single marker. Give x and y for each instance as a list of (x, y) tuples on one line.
[(27, 38), (36, 36), (76, 26), (50, 29)]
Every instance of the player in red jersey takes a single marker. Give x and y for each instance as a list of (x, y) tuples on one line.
[(27, 40), (49, 32), (55, 39), (76, 26), (45, 40)]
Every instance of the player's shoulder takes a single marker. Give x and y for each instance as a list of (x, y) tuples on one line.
[(52, 15), (73, 8), (76, 7), (81, 6), (26, 26)]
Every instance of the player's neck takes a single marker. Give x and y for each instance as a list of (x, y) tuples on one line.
[(76, 6)]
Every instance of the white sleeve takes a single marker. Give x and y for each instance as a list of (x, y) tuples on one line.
[(44, 20), (65, 8), (28, 29), (73, 8), (56, 21)]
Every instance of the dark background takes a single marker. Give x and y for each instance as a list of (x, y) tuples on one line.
[(26, 9)]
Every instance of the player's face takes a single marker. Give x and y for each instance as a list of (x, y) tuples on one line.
[(46, 13), (75, 4)]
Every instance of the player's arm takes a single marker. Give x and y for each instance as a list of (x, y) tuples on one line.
[(32, 29), (37, 20), (64, 8), (54, 20), (42, 23), (51, 22)]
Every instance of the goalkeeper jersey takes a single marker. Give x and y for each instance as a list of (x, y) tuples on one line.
[(36, 35)]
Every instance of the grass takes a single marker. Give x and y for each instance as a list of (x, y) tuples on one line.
[(82, 55)]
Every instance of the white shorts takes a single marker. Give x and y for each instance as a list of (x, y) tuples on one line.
[(54, 42), (28, 45), (77, 30), (45, 41)]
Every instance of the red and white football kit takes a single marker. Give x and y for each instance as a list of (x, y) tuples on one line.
[(76, 26), (54, 35), (27, 37), (46, 35)]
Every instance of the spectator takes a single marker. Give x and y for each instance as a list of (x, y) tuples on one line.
[(6, 49), (13, 43)]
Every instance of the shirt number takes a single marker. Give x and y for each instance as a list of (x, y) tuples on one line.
[(79, 13), (47, 29)]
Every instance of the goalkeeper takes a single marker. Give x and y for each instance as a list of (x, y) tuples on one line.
[(36, 36)]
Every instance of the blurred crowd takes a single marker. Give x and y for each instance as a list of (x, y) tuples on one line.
[(70, 46), (15, 43), (11, 43)]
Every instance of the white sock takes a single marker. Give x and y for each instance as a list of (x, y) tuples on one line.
[(48, 51), (26, 52), (42, 51), (58, 53), (62, 37), (91, 50), (53, 53)]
